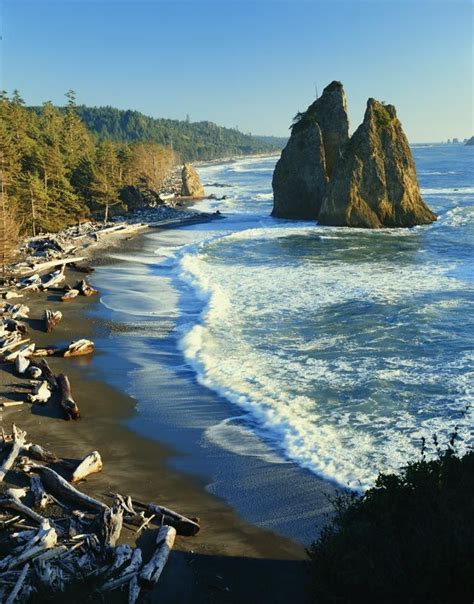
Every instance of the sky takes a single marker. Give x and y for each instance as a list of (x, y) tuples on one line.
[(246, 63)]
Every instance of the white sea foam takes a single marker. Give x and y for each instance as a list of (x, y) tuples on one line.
[(448, 191), (273, 381)]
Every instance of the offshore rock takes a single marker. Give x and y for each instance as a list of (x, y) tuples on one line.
[(191, 183), (311, 155), (374, 185)]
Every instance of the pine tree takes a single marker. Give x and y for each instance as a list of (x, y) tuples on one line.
[(9, 230)]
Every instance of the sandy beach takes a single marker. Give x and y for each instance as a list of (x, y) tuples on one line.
[(230, 560)]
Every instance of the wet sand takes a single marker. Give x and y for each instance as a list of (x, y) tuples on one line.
[(230, 560)]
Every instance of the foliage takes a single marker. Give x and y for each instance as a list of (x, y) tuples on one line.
[(55, 172), (190, 140), (408, 539)]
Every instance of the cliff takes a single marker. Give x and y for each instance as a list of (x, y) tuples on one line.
[(310, 156), (375, 184)]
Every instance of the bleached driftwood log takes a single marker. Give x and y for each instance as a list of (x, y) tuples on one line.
[(84, 288), (187, 527), (42, 498), (127, 573), (76, 348), (46, 372), (39, 453), (44, 266), (79, 347), (26, 350), (32, 282), (68, 404), (151, 572), (18, 585), (41, 393), (21, 364), (61, 489), (70, 294), (53, 279), (51, 319), (13, 502), (19, 439), (45, 539), (12, 340), (89, 465), (111, 527), (12, 345)]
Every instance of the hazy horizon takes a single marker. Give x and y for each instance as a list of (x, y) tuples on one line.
[(246, 64)]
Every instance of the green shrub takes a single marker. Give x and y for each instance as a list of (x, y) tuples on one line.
[(408, 539)]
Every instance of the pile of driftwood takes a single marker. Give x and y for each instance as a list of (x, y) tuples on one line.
[(16, 348), (55, 539)]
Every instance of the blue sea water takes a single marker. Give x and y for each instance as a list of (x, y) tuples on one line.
[(303, 351)]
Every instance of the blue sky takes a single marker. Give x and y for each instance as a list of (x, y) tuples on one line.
[(246, 63)]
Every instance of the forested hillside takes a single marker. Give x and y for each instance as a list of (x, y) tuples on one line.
[(190, 140), (54, 172)]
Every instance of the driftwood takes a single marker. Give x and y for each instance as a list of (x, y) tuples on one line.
[(42, 498), (61, 489), (151, 572), (13, 502), (33, 372), (41, 393), (84, 288), (26, 350), (187, 527), (45, 539), (89, 465), (33, 282), (21, 364), (78, 548), (79, 347), (44, 266), (12, 340), (11, 345), (46, 372), (70, 295), (111, 525), (53, 279), (19, 439), (18, 585), (75, 349), (51, 319), (68, 404)]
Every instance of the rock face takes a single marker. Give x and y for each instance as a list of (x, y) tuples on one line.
[(191, 183), (366, 181), (310, 156), (375, 185)]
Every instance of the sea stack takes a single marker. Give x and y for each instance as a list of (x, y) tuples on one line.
[(191, 183), (366, 181), (376, 185), (311, 155)]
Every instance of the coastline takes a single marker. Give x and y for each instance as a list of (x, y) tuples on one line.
[(229, 553)]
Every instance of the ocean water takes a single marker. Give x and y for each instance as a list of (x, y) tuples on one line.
[(296, 353)]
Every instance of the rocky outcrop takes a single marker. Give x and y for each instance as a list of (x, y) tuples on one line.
[(191, 183), (311, 155), (470, 141), (366, 181), (375, 184)]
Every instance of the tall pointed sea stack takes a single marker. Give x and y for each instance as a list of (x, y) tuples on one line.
[(311, 155), (375, 185)]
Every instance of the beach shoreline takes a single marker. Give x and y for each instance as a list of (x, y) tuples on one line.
[(228, 550)]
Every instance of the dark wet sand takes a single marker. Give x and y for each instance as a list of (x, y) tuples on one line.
[(230, 560)]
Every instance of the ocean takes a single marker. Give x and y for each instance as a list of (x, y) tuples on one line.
[(283, 359)]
